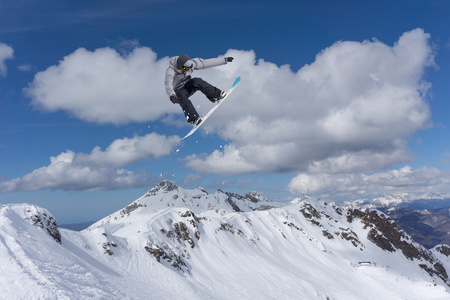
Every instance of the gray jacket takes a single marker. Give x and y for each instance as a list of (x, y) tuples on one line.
[(177, 78)]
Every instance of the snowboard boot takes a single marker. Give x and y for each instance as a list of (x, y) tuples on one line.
[(221, 96), (196, 122)]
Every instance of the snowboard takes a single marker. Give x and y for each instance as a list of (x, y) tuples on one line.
[(194, 129)]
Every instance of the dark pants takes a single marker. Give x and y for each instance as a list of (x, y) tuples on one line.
[(190, 87)]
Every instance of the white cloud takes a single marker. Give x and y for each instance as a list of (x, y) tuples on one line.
[(128, 151), (369, 160), (99, 170), (357, 186), (6, 52), (228, 162), (104, 87), (351, 109), (25, 68)]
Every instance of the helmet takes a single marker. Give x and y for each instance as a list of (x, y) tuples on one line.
[(184, 61)]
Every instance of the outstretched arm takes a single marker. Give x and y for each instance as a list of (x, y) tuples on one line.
[(200, 63)]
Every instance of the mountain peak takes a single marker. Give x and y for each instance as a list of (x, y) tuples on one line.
[(256, 197), (165, 186), (168, 195)]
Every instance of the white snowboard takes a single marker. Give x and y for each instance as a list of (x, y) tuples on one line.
[(194, 129)]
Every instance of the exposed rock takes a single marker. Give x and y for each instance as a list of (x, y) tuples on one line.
[(311, 214), (130, 208), (47, 222), (443, 249), (256, 197), (164, 254)]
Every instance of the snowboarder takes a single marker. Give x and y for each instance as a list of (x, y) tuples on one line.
[(180, 86)]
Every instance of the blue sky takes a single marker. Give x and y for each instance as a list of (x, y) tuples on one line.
[(342, 100)]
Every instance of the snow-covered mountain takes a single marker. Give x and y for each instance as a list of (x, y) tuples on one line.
[(174, 243)]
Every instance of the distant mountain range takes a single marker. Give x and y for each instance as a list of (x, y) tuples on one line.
[(174, 243), (77, 226), (426, 219)]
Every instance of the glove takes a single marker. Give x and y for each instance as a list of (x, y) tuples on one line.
[(229, 59), (174, 99)]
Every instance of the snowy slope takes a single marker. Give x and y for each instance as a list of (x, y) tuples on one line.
[(187, 244), (33, 265)]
